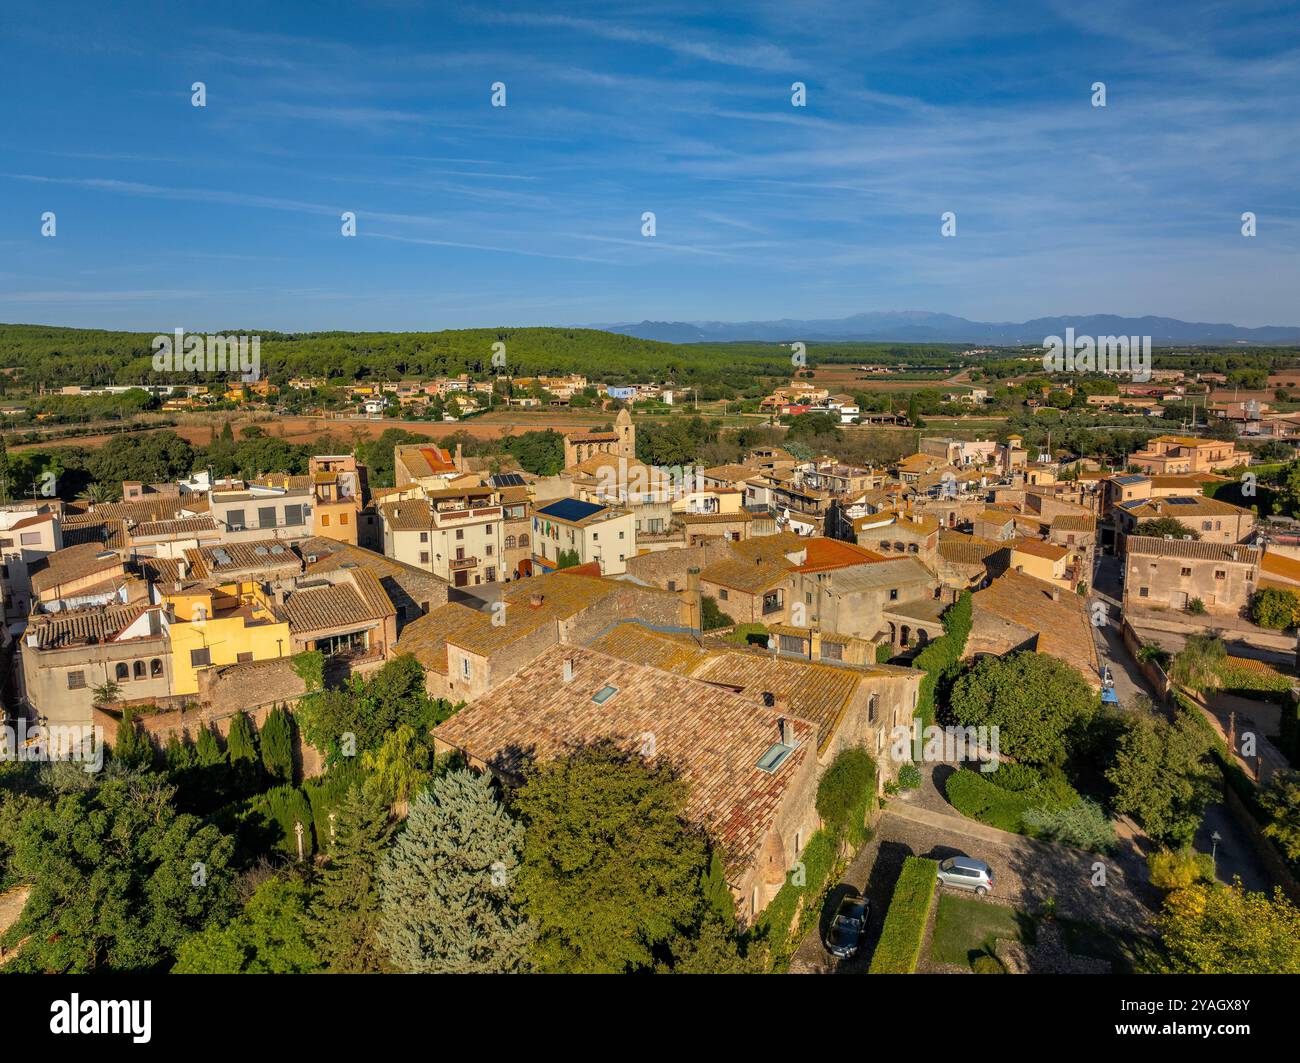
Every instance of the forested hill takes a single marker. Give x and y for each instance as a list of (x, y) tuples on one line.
[(49, 356)]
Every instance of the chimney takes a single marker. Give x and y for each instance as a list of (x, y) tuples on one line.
[(1056, 594), (787, 731), (568, 669), (535, 600), (692, 601)]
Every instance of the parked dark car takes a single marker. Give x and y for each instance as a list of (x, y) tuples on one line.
[(848, 926)]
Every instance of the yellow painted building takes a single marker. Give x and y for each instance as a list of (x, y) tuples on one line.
[(229, 625)]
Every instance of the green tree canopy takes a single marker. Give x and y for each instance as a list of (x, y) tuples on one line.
[(1212, 929), (610, 869), (268, 937), (1161, 775), (448, 884), (345, 909), (1159, 527), (1037, 702), (119, 878)]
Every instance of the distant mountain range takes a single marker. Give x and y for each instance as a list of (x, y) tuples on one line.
[(920, 326)]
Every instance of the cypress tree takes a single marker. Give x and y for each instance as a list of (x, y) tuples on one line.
[(717, 896), (241, 743), (207, 749), (277, 745), (447, 884), (133, 747), (345, 908), (179, 755)]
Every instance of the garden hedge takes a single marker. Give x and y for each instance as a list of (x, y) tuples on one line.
[(899, 949), (942, 654), (973, 795)]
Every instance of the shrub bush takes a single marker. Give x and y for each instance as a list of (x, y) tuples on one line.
[(325, 793), (901, 938), (1083, 825), (1176, 869), (971, 794), (846, 792), (1018, 778), (748, 634), (986, 964), (909, 777), (1274, 608), (943, 654), (285, 806), (711, 617)]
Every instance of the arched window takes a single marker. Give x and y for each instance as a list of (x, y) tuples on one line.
[(884, 544), (510, 542), (913, 548), (523, 540), (123, 672), (155, 668), (138, 668)]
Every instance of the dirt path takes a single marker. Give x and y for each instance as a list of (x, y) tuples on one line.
[(11, 907)]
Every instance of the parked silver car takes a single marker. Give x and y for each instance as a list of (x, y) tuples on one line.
[(966, 873)]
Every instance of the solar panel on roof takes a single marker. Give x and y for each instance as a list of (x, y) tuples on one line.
[(1181, 501), (507, 479), (573, 509)]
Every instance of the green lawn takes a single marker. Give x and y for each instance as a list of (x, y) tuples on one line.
[(965, 927)]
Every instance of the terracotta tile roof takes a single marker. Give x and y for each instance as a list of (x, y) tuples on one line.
[(638, 645), (770, 547), (1074, 523), (817, 692), (827, 554), (337, 604), (184, 526), (284, 480), (1152, 546), (918, 523), (258, 554), (165, 507), (751, 577), (962, 549), (81, 626), (410, 514), (160, 569), (1061, 623), (1038, 548), (730, 473), (996, 516), (109, 533), (563, 594), (426, 460), (1186, 506), (713, 737), (714, 518), (331, 554), (889, 572), (74, 563), (31, 522)]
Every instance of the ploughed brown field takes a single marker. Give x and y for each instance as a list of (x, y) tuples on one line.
[(308, 429), (849, 378)]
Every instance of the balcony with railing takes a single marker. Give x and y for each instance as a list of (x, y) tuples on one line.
[(460, 564)]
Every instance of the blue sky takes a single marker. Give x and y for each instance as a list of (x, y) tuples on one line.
[(468, 215)]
